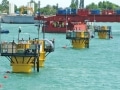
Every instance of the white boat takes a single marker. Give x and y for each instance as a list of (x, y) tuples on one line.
[(18, 19)]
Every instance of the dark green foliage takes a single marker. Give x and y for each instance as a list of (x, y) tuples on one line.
[(103, 5), (74, 4), (4, 6)]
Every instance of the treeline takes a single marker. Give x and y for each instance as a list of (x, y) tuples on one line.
[(51, 10), (103, 5)]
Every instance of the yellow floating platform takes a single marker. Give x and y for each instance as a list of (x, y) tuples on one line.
[(79, 44), (24, 68), (102, 35), (24, 56), (80, 39)]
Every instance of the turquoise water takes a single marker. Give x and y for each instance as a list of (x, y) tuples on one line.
[(94, 68)]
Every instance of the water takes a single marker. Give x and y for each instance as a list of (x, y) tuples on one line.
[(95, 68)]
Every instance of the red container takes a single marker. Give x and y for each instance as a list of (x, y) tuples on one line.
[(83, 12), (108, 12)]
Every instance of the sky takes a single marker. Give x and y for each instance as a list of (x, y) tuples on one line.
[(62, 3)]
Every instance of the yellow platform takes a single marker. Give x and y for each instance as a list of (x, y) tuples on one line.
[(80, 43), (25, 68), (80, 40), (102, 35), (42, 59), (26, 55)]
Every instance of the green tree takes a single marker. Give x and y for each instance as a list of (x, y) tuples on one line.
[(32, 1), (16, 9), (48, 10), (0, 8), (5, 6), (103, 5), (77, 3), (73, 4), (100, 5), (92, 6)]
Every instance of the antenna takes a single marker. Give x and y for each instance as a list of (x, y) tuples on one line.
[(39, 20)]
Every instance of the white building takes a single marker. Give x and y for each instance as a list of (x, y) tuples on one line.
[(30, 8), (11, 8)]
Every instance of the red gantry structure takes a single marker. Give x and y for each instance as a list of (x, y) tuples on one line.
[(60, 22), (65, 18)]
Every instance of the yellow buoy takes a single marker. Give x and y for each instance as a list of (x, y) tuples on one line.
[(102, 35), (80, 39), (104, 32)]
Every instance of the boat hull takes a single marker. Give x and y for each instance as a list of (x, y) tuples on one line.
[(17, 19), (53, 30), (4, 31)]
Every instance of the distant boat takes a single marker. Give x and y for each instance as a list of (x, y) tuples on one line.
[(17, 19), (4, 31)]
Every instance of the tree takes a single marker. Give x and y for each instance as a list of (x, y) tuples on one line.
[(0, 7), (77, 3), (48, 10), (32, 1), (100, 5), (16, 9), (92, 6), (73, 4), (103, 5), (5, 6)]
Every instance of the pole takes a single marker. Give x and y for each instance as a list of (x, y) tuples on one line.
[(43, 29), (0, 35), (19, 31), (38, 50), (66, 20), (39, 20)]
